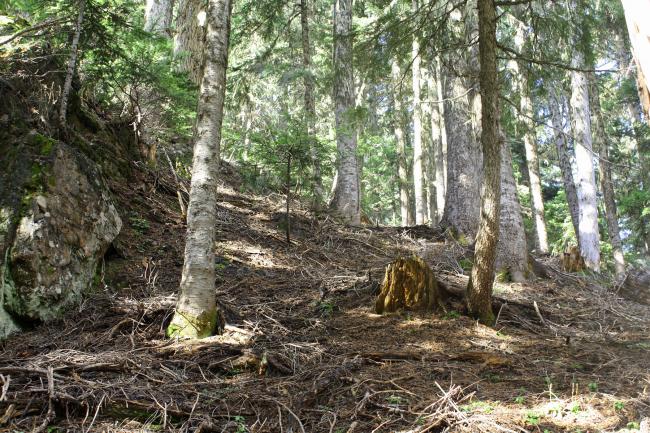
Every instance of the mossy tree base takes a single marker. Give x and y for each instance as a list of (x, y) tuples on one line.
[(187, 325), (408, 284)]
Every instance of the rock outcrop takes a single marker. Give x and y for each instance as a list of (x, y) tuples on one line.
[(56, 221)]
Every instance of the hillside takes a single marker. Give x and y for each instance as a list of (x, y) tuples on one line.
[(302, 350)]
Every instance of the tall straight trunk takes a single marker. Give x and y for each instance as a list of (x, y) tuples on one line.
[(402, 162), (636, 16), (440, 150), (72, 65), (564, 159), (464, 155), (310, 104), (158, 16), (589, 236), (512, 250), (479, 289), (418, 172), (346, 200), (428, 162), (196, 311), (190, 37), (606, 183)]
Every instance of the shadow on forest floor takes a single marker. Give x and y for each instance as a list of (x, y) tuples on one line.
[(303, 350)]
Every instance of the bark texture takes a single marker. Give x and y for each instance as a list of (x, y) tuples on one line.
[(636, 16), (418, 151), (606, 183), (72, 64), (512, 250), (310, 104), (589, 237), (402, 164), (158, 16), (346, 200), (408, 284), (196, 314), (440, 145), (564, 159), (479, 289), (190, 37)]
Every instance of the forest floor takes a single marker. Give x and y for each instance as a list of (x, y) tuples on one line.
[(303, 351)]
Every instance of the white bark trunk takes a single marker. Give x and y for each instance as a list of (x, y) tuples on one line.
[(72, 64), (589, 236), (636, 15), (418, 172), (196, 311), (190, 37), (346, 200), (158, 16)]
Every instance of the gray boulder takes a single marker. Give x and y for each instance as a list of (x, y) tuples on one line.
[(56, 221)]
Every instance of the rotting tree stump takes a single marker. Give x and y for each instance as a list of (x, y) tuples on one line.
[(572, 261), (408, 284)]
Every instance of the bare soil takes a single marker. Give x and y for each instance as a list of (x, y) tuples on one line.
[(303, 350)]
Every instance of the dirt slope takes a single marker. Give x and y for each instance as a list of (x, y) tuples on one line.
[(302, 350)]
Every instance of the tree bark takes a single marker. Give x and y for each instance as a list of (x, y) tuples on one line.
[(158, 16), (564, 160), (310, 105), (72, 64), (606, 183), (440, 147), (196, 312), (190, 38), (512, 250), (346, 200), (479, 289), (418, 172), (402, 164), (589, 236), (636, 16)]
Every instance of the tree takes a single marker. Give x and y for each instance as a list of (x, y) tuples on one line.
[(158, 16), (189, 37), (418, 152), (589, 236), (310, 103), (636, 15), (196, 312), (479, 288), (402, 165), (72, 64), (346, 197)]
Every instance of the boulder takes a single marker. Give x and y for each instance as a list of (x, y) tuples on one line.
[(56, 221)]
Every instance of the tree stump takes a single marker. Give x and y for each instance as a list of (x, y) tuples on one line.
[(408, 284), (572, 261)]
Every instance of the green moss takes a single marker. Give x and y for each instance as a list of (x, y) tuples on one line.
[(44, 144), (186, 325)]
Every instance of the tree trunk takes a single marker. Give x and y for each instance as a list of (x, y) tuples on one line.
[(196, 310), (589, 237), (636, 16), (346, 200), (418, 172), (72, 64), (310, 105), (564, 159), (158, 16), (512, 249), (190, 37), (479, 289), (606, 183), (402, 164), (440, 149)]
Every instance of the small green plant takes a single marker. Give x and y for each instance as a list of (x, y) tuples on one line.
[(633, 425), (593, 386), (465, 265), (576, 408), (520, 399), (394, 399), (619, 405), (326, 308), (532, 418), (241, 423), (139, 224), (477, 405), (453, 314)]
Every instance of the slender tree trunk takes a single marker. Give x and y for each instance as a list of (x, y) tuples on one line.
[(589, 237), (418, 172), (606, 183), (440, 149), (158, 16), (72, 64), (479, 289), (402, 164), (512, 250), (346, 200), (310, 105), (196, 311), (564, 159), (636, 16), (190, 37)]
